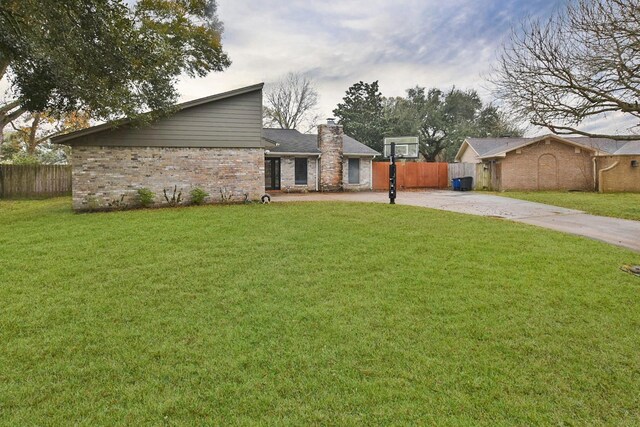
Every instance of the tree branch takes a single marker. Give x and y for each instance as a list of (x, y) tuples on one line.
[(568, 130), (9, 106)]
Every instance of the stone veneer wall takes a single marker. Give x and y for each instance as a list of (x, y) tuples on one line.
[(365, 175), (330, 143), (104, 174), (288, 175), (621, 177)]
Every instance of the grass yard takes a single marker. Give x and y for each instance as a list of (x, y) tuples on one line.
[(326, 313), (617, 205)]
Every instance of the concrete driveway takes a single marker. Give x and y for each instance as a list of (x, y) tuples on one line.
[(620, 232)]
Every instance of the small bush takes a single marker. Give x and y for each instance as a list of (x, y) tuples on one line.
[(175, 198), (145, 197), (225, 195), (92, 203), (198, 195), (117, 204)]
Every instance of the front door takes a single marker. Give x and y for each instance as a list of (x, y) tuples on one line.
[(272, 173)]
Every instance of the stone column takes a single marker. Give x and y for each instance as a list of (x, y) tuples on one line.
[(330, 143)]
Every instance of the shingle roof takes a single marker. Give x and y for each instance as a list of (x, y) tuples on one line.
[(292, 141), (351, 146), (489, 147), (631, 147)]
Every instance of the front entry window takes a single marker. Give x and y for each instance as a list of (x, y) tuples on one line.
[(301, 171)]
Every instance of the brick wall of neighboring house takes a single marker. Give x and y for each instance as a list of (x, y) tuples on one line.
[(621, 176), (104, 174), (365, 175), (287, 175), (330, 143), (547, 165)]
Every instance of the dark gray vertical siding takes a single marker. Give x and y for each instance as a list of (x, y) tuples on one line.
[(230, 122)]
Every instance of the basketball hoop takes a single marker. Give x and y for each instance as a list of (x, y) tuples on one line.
[(405, 147)]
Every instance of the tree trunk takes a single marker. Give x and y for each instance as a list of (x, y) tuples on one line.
[(32, 143), (4, 64)]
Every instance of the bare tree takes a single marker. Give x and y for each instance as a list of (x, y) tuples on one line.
[(291, 102), (581, 63)]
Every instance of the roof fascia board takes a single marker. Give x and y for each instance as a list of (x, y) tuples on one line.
[(465, 143)]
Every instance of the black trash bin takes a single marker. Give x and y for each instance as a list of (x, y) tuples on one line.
[(466, 183)]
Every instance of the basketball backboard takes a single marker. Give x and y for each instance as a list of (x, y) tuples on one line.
[(406, 147)]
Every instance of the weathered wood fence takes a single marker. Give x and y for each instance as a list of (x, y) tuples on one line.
[(34, 180), (459, 170), (411, 175)]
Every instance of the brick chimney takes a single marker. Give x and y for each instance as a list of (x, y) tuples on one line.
[(330, 143)]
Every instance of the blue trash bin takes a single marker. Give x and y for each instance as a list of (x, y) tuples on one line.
[(455, 184)]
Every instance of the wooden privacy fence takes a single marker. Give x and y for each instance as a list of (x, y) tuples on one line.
[(34, 180), (459, 170), (411, 175)]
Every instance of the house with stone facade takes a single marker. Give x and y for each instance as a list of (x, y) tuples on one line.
[(552, 162), (215, 143), (328, 161)]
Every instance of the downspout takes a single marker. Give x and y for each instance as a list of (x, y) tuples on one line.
[(600, 175), (317, 170), (595, 173), (371, 174)]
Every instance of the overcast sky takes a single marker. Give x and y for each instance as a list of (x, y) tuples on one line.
[(401, 43)]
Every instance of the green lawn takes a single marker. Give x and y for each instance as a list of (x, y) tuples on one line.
[(618, 205), (325, 313)]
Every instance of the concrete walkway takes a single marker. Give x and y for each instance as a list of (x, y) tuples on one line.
[(620, 232)]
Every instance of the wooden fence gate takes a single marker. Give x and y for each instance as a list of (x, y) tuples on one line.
[(459, 170), (34, 180), (411, 175)]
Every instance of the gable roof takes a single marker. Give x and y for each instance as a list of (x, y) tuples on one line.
[(291, 141), (60, 139), (498, 147)]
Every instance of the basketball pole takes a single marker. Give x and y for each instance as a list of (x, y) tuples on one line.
[(392, 175)]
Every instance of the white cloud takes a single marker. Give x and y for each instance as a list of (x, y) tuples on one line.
[(399, 43), (432, 43)]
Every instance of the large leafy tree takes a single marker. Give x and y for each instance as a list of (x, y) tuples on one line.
[(442, 120), (102, 55), (361, 113), (580, 64)]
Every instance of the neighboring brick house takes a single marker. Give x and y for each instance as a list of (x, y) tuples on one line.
[(214, 143), (551, 162), (328, 161)]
